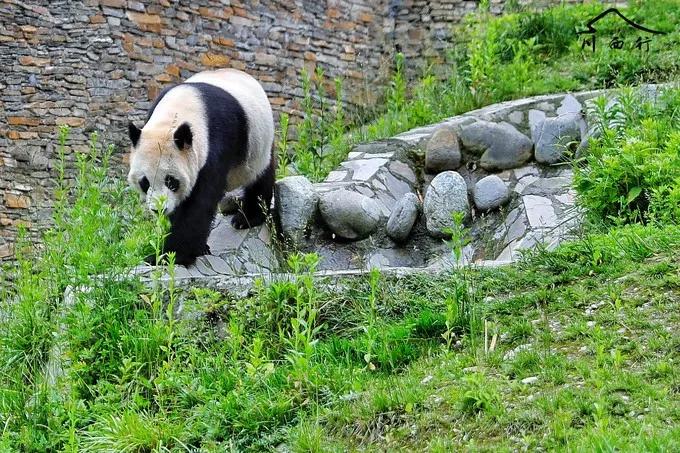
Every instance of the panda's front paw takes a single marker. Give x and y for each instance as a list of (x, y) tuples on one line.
[(185, 260), (240, 221)]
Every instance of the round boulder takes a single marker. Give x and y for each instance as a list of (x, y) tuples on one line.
[(348, 214), (296, 203), (446, 194), (490, 193), (442, 151), (501, 145), (404, 215), (555, 135)]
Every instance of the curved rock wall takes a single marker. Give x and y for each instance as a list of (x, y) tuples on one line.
[(383, 207)]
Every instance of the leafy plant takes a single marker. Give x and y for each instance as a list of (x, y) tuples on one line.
[(304, 328), (371, 334), (478, 396), (462, 312), (282, 145), (635, 159)]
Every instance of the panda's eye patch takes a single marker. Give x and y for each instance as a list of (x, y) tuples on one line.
[(144, 184), (171, 183)]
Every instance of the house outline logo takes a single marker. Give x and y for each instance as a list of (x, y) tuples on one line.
[(592, 31)]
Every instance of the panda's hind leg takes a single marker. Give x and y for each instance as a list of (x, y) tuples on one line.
[(257, 197)]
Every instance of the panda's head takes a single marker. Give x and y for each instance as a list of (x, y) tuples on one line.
[(162, 164)]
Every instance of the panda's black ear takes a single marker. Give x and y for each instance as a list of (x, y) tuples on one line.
[(134, 132), (183, 136)]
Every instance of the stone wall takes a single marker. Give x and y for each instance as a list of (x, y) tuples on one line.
[(94, 64)]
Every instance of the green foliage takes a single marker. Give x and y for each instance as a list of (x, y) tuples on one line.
[(97, 230), (304, 329), (396, 92), (372, 317), (630, 173), (282, 145), (320, 145), (478, 396), (462, 315)]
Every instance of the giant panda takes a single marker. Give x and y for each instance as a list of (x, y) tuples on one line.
[(211, 134)]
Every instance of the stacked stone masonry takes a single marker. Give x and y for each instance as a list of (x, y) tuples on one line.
[(95, 64)]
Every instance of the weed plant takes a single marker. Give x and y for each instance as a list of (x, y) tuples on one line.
[(630, 173)]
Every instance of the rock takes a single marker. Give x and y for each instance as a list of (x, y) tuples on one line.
[(540, 211), (490, 193), (500, 145), (536, 118), (569, 105), (403, 170), (404, 215), (296, 203), (555, 136), (447, 194), (530, 380), (364, 169), (510, 355), (348, 214), (443, 151), (587, 137)]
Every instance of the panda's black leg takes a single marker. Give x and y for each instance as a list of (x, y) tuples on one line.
[(257, 198)]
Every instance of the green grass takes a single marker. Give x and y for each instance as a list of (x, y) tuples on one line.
[(421, 362), (602, 342), (371, 369)]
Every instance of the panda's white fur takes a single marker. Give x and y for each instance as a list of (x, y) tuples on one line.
[(212, 133), (155, 154)]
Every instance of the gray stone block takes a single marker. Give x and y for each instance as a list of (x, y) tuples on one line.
[(348, 214), (442, 151), (296, 204), (555, 136), (490, 193), (446, 194), (403, 217), (501, 145)]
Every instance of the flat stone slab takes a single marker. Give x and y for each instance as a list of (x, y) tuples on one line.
[(363, 169), (540, 211)]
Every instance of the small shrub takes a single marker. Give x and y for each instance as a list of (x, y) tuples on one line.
[(479, 396), (282, 145), (630, 173)]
